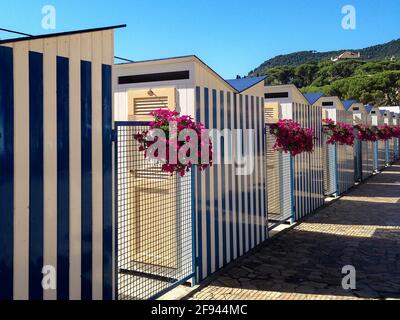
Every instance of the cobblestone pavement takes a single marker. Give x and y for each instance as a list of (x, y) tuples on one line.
[(360, 229)]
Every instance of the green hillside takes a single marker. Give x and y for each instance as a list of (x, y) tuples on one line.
[(377, 52), (371, 81)]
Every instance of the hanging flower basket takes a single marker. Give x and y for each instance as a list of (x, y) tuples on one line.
[(384, 132), (366, 133), (341, 133), (396, 131), (176, 142), (291, 138)]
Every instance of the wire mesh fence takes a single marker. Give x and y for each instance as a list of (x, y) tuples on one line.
[(154, 219), (329, 154), (279, 182)]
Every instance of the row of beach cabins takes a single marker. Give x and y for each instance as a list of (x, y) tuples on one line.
[(234, 214), (78, 199)]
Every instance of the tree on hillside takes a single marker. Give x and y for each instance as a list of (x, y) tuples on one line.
[(378, 89), (305, 74)]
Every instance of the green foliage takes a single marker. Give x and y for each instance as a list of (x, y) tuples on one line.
[(378, 52), (370, 82), (382, 88)]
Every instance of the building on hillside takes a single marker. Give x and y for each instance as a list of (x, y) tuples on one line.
[(347, 55)]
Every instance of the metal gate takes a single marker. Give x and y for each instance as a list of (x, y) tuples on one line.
[(381, 154), (375, 148), (329, 153), (280, 185), (155, 222), (357, 160), (387, 152)]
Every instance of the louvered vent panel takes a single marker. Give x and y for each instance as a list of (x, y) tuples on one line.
[(274, 180), (143, 106), (271, 113), (153, 173)]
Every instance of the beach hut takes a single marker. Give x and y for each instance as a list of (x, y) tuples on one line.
[(56, 190), (295, 184), (378, 146), (396, 141), (389, 144), (338, 159), (171, 229), (363, 150)]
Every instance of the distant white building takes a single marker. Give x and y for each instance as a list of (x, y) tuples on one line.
[(346, 56), (395, 109)]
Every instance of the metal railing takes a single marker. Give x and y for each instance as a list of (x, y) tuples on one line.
[(155, 225), (279, 168)]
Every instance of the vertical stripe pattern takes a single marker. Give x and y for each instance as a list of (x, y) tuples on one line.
[(199, 202), (63, 185), (231, 216), (36, 179), (6, 173), (48, 92), (308, 170), (86, 178), (107, 182)]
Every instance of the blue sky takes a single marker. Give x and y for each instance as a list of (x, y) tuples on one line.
[(232, 36)]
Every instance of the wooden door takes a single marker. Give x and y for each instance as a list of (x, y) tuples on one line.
[(154, 211), (154, 218)]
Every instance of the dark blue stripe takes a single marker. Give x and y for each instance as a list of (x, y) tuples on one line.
[(63, 178), (229, 107), (208, 185), (86, 179), (36, 188), (225, 188), (199, 256), (215, 182), (260, 168), (116, 213), (236, 125), (249, 213), (6, 173), (256, 117), (254, 186), (243, 180), (107, 183), (263, 152)]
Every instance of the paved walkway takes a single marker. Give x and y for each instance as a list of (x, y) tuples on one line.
[(361, 229)]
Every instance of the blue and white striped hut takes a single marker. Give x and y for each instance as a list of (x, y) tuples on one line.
[(389, 144), (338, 159), (203, 221), (295, 185), (364, 154), (396, 141), (56, 209), (378, 146)]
